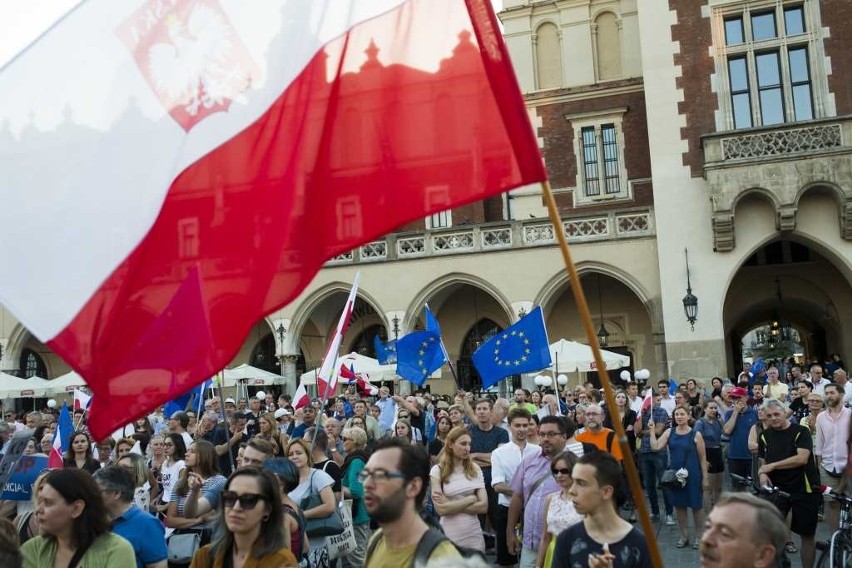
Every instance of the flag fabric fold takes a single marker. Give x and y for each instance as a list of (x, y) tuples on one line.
[(300, 397), (420, 353), (520, 348), (385, 352), (327, 375), (360, 380), (204, 191), (61, 438), (82, 400)]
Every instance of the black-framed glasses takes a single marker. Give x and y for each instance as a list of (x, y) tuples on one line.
[(563, 470), (379, 475), (248, 501)]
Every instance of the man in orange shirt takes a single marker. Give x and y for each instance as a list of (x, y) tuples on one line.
[(597, 435)]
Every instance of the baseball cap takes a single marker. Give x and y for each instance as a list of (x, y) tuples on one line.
[(230, 400), (738, 392), (281, 412)]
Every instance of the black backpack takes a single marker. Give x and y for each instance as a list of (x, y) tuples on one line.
[(430, 540)]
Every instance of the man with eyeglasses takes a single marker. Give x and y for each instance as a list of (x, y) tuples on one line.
[(530, 485), (595, 433), (395, 482), (666, 400)]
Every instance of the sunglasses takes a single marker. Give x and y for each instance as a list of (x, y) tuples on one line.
[(248, 501), (563, 471)]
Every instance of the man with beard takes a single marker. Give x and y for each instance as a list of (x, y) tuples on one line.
[(532, 482), (602, 539), (395, 482), (598, 436), (521, 401), (742, 531), (830, 449)]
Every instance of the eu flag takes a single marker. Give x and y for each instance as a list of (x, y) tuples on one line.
[(385, 352), (418, 354), (521, 348)]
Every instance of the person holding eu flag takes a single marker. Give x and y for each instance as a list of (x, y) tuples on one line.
[(521, 348)]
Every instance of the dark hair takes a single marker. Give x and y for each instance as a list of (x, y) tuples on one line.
[(607, 469), (484, 401), (570, 426), (662, 383), (206, 465), (839, 388), (534, 417), (517, 412), (115, 478), (271, 537), (77, 485), (69, 453), (180, 446), (10, 546), (320, 438), (182, 418), (413, 463), (285, 470), (558, 420)]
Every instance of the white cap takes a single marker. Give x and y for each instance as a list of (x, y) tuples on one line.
[(231, 400), (281, 412)]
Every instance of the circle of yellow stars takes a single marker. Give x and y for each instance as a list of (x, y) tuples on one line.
[(504, 341)]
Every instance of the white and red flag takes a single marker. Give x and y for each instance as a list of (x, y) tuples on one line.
[(300, 397), (182, 168), (81, 400), (360, 380), (328, 372)]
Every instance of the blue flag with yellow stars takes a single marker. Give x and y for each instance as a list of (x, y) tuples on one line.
[(418, 354), (521, 348)]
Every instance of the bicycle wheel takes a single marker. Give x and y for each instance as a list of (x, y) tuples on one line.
[(840, 551)]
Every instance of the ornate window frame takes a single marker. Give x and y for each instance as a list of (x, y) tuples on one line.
[(597, 120)]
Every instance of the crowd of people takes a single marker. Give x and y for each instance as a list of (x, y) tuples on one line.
[(536, 481)]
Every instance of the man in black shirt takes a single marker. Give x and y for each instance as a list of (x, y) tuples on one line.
[(787, 462), (603, 538)]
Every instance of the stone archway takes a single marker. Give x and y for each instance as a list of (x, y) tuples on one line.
[(816, 299)]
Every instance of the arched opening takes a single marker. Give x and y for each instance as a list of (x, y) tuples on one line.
[(786, 283), (608, 47), (32, 365), (479, 333), (364, 344), (548, 57), (263, 354)]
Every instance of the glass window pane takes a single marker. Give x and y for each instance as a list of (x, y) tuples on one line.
[(768, 70), (802, 104), (739, 74), (799, 65), (763, 26), (734, 31), (794, 20), (742, 111), (771, 107)]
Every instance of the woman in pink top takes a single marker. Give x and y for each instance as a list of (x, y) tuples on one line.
[(458, 491)]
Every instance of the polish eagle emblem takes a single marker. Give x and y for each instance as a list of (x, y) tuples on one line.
[(191, 56)]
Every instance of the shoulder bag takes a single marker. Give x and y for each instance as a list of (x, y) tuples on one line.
[(320, 526)]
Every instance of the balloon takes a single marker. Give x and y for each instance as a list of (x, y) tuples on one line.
[(625, 375), (260, 394), (51, 403)]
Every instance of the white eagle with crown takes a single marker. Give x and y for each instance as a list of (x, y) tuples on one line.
[(191, 66)]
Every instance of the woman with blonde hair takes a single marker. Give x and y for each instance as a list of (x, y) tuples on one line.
[(146, 491), (458, 491), (268, 430), (355, 444)]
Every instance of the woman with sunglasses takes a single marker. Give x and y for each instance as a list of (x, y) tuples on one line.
[(250, 525), (79, 453), (458, 491), (175, 452), (559, 511), (312, 482)]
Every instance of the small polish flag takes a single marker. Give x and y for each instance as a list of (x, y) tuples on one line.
[(649, 399), (81, 400), (61, 438), (300, 397)]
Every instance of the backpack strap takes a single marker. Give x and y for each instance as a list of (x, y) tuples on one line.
[(373, 543), (609, 438), (430, 540)]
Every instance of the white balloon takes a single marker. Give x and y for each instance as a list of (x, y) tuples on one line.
[(562, 380), (51, 403), (260, 394), (625, 375), (642, 375)]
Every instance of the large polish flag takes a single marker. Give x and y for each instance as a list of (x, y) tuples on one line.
[(173, 170)]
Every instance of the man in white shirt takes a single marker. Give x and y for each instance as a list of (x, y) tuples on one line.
[(634, 401), (818, 380), (832, 432), (505, 461), (667, 402), (775, 388)]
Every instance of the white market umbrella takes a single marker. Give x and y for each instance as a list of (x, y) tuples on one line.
[(66, 383), (362, 365), (250, 376), (571, 356), (15, 387)]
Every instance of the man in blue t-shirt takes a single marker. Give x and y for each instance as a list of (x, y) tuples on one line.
[(142, 530), (738, 421)]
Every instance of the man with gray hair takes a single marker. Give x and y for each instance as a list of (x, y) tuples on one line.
[(142, 530), (787, 462), (743, 531)]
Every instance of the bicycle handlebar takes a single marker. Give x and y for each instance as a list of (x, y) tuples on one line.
[(765, 490)]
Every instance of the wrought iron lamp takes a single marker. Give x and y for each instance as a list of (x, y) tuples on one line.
[(690, 302)]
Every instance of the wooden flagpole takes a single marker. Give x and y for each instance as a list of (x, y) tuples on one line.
[(609, 393)]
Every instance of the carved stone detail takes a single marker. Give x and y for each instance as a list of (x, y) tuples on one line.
[(724, 238), (781, 142), (846, 220), (786, 219)]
